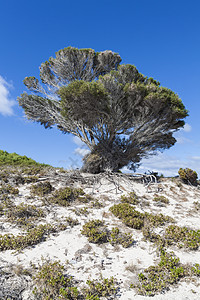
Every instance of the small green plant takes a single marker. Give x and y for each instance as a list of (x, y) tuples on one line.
[(41, 189), (96, 204), (196, 205), (156, 279), (65, 196), (23, 214), (116, 237), (196, 270), (132, 198), (8, 189), (188, 176), (52, 282), (32, 237), (96, 231), (162, 199), (103, 287), (71, 222), (182, 237), (135, 219)]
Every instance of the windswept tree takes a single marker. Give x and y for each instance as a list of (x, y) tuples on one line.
[(121, 115)]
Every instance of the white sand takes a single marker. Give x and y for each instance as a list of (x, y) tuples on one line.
[(64, 245)]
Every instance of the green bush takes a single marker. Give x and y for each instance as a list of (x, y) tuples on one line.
[(132, 198), (51, 282), (134, 219), (188, 176), (157, 279), (182, 237), (162, 199), (16, 159), (33, 237), (116, 237), (98, 233), (95, 231), (41, 189), (65, 196), (104, 287)]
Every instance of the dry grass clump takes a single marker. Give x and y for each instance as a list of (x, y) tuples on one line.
[(23, 214), (161, 199), (8, 189)]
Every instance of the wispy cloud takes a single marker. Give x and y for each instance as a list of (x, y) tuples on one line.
[(6, 103), (169, 165), (180, 135), (82, 150), (187, 127)]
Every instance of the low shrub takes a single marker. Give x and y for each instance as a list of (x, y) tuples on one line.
[(65, 196), (134, 219), (32, 237), (72, 222), (182, 237), (162, 199), (23, 214), (98, 233), (116, 237), (41, 189), (132, 198), (157, 279), (51, 282), (188, 176), (8, 189), (103, 287)]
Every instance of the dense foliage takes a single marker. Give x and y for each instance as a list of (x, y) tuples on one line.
[(16, 159), (188, 176), (121, 115)]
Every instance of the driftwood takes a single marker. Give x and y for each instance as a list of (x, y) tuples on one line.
[(95, 181)]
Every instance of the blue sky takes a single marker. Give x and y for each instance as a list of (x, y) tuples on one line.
[(161, 38)]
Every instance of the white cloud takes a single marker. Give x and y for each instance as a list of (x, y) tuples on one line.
[(82, 151), (187, 127), (168, 165), (6, 103), (77, 141), (182, 140)]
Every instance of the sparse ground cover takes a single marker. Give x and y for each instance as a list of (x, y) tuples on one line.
[(134, 219), (98, 233), (29, 195), (169, 271), (52, 282)]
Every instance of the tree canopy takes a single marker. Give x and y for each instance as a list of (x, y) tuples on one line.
[(120, 114)]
